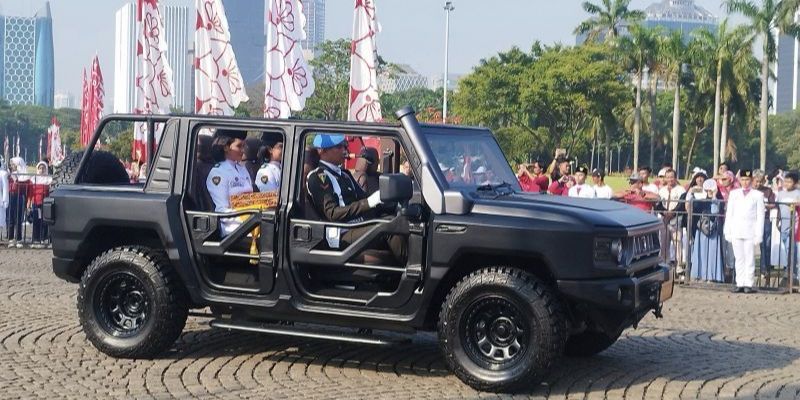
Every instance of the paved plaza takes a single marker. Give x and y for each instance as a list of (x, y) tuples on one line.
[(711, 344)]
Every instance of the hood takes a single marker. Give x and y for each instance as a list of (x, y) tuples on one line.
[(601, 214)]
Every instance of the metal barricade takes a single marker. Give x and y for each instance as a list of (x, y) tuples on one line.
[(702, 255), (23, 226)]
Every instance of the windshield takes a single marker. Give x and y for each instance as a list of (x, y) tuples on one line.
[(469, 158)]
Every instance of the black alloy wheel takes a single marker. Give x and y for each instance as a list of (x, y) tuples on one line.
[(122, 304), (494, 333)]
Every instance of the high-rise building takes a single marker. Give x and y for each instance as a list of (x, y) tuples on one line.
[(786, 87), (400, 79), (64, 100), (27, 73), (125, 59), (315, 24), (247, 22), (177, 28)]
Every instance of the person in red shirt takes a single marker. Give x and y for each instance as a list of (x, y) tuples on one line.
[(562, 180), (39, 189), (636, 196), (536, 181)]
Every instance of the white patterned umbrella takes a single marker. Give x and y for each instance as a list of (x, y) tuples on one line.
[(219, 87), (289, 80)]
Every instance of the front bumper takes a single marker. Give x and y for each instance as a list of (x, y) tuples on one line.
[(633, 294)]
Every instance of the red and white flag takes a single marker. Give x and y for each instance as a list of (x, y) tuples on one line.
[(219, 87), (154, 85), (96, 97), (17, 150), (289, 80), (85, 112), (365, 103), (5, 149), (54, 148)]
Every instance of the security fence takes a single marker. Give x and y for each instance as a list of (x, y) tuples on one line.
[(21, 224), (701, 254)]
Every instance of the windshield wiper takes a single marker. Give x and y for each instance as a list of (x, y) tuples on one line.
[(493, 188)]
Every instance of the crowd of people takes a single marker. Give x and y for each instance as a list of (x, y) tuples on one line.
[(21, 198), (732, 214)]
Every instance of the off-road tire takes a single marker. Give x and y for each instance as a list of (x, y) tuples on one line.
[(168, 304), (536, 304), (588, 343), (102, 167)]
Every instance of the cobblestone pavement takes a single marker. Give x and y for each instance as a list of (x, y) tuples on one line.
[(711, 344)]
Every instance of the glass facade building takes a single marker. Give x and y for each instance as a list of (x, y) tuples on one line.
[(27, 72), (682, 15), (315, 24)]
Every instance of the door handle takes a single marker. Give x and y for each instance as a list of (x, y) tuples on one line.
[(301, 233), (201, 223)]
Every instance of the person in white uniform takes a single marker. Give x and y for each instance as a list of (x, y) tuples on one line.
[(601, 190), (3, 192), (580, 188), (744, 228), (228, 177), (268, 177)]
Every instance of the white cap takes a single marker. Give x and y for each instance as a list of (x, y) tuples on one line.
[(480, 170)]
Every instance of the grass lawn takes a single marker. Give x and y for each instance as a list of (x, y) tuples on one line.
[(621, 182)]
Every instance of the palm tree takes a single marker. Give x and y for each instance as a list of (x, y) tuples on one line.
[(739, 92), (655, 66), (607, 18), (637, 49), (721, 47), (772, 18), (674, 53)]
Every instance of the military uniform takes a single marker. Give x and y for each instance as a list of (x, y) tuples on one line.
[(268, 177), (744, 228), (226, 179)]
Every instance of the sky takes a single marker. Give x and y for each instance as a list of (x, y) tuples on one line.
[(413, 30)]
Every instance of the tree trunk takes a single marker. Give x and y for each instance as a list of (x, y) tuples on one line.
[(717, 109), (691, 150), (637, 122), (723, 141), (653, 119), (764, 109), (607, 158), (676, 124)]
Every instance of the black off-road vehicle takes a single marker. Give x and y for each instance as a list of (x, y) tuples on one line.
[(509, 280)]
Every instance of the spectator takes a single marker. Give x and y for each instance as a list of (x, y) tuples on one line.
[(670, 194), (268, 177), (601, 190), (581, 189), (644, 175), (744, 228), (531, 177), (725, 182), (760, 183), (706, 205), (636, 196), (405, 168), (366, 173), (40, 188), (19, 186), (3, 192), (788, 198), (661, 177), (561, 180)]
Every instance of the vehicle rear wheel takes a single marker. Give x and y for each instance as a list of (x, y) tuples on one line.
[(588, 343), (501, 328), (131, 303)]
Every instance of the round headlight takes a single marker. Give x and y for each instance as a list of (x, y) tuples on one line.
[(616, 250)]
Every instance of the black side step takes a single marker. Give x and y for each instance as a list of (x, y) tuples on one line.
[(304, 332)]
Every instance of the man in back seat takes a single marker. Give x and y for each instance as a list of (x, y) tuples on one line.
[(337, 197)]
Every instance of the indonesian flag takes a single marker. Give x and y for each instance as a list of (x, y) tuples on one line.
[(289, 80), (219, 87), (85, 111), (365, 103), (154, 87), (96, 98), (54, 148), (16, 150), (5, 149)]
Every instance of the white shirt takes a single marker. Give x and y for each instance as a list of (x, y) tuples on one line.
[(268, 177), (650, 187), (583, 191), (226, 179), (744, 218), (603, 192), (785, 212), (670, 196)]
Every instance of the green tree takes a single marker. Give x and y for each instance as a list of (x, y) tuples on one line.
[(606, 19), (674, 54), (771, 18), (637, 51), (421, 99)]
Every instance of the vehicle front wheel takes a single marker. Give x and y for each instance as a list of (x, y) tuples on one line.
[(131, 303), (501, 328), (588, 343)]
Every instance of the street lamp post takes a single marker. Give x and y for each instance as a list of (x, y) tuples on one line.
[(448, 6)]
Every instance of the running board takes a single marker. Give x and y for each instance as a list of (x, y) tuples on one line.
[(300, 332)]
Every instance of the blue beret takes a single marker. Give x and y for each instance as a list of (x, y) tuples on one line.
[(327, 140)]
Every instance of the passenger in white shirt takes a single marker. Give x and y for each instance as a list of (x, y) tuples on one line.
[(644, 175), (268, 177), (580, 188), (601, 190)]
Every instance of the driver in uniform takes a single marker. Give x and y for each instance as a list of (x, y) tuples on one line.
[(337, 197)]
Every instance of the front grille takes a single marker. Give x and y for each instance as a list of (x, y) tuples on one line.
[(646, 245)]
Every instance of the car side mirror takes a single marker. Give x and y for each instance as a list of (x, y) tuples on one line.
[(395, 188)]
